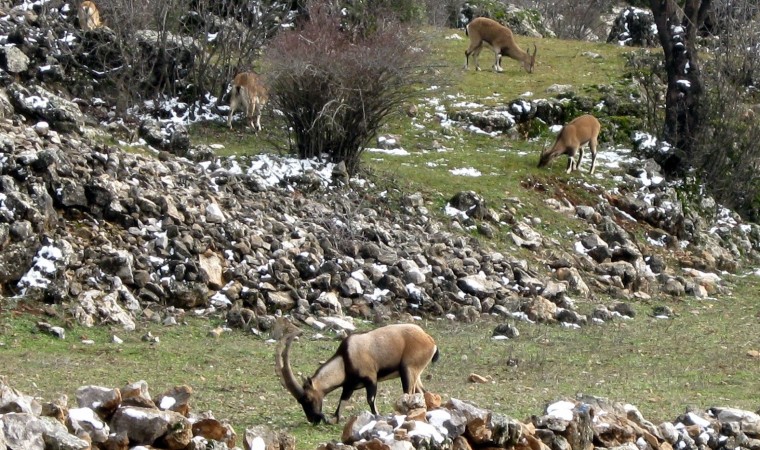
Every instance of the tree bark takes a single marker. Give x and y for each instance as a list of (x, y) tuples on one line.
[(677, 31)]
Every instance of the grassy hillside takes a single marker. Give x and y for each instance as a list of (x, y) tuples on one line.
[(697, 359), (506, 162)]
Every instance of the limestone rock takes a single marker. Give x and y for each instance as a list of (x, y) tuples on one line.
[(148, 426), (176, 399), (13, 60), (104, 401)]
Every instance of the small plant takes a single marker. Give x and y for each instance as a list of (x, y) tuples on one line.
[(648, 72)]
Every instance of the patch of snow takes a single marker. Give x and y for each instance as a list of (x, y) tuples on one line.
[(562, 410), (167, 402), (454, 212), (86, 415), (389, 151), (43, 268), (220, 300), (466, 172), (377, 293)]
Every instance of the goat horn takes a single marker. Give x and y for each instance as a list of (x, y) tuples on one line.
[(282, 366)]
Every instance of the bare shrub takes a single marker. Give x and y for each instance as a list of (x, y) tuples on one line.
[(571, 19), (442, 13), (648, 72), (335, 89), (726, 154)]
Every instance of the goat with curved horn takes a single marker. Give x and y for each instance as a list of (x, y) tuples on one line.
[(361, 361)]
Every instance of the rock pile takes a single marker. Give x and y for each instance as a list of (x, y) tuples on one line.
[(580, 424), (119, 419)]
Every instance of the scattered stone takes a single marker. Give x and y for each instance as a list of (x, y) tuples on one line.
[(505, 330), (475, 378)]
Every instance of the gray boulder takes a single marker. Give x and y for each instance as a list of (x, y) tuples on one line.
[(634, 27), (13, 60), (34, 101)]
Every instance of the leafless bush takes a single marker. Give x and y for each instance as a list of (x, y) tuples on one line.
[(571, 19), (727, 155), (442, 13), (648, 73), (335, 91)]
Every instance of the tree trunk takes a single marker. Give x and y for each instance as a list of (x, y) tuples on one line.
[(682, 101)]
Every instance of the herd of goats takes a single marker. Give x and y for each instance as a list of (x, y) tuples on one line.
[(393, 351)]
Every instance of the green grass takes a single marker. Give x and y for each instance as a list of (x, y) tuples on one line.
[(698, 359)]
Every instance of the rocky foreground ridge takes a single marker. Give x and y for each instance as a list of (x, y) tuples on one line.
[(119, 419)]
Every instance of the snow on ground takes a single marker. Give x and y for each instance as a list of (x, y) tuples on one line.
[(389, 151), (43, 269), (466, 172)]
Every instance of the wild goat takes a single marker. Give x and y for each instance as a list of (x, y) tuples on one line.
[(361, 361), (89, 16), (248, 92), (484, 30), (580, 131)]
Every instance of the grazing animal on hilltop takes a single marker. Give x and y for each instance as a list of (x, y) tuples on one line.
[(248, 92), (89, 16), (483, 30), (579, 132), (361, 361)]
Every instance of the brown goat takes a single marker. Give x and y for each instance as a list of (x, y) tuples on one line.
[(483, 30), (579, 132), (89, 16), (362, 360), (248, 92)]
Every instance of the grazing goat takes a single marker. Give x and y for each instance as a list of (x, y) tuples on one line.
[(483, 30), (89, 16), (248, 92), (361, 361), (579, 132)]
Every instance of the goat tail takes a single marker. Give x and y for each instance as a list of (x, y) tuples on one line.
[(436, 355)]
